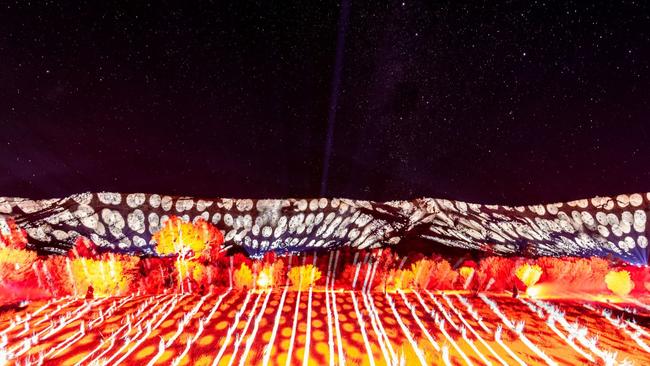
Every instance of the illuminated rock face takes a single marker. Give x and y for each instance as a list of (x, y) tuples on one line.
[(600, 226)]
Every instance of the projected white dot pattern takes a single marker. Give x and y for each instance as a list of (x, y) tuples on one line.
[(597, 226)]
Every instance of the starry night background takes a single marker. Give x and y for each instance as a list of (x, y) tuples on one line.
[(517, 102)]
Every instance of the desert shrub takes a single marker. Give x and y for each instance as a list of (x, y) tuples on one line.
[(189, 240), (111, 275), (11, 235), (528, 274), (156, 274), (238, 259), (554, 269), (303, 277), (420, 273), (219, 271), (496, 273), (16, 264), (153, 282), (579, 273), (640, 277), (387, 261), (55, 274), (401, 279), (193, 272), (619, 282), (279, 272), (243, 277), (199, 241), (84, 248), (466, 276), (441, 275), (269, 274), (264, 278)]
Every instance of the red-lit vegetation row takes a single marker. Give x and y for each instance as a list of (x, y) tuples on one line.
[(194, 305)]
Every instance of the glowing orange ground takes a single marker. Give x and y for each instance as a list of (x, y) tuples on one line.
[(250, 328)]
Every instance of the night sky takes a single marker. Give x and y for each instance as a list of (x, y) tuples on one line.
[(522, 102)]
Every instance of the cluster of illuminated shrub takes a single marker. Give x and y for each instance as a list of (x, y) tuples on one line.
[(108, 275), (190, 259)]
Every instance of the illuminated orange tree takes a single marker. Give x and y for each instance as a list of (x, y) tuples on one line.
[(84, 248), (109, 275), (15, 260), (528, 274), (619, 282), (243, 277), (15, 263), (189, 242), (269, 271)]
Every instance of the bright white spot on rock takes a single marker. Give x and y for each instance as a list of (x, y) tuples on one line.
[(135, 199), (154, 200), (166, 203)]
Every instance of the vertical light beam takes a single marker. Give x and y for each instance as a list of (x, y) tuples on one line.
[(344, 15)]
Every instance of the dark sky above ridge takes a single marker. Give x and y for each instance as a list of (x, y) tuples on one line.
[(515, 102)]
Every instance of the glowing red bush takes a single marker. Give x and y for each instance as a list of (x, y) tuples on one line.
[(109, 275), (15, 264), (441, 275), (84, 248), (576, 274), (11, 235), (55, 275), (156, 274)]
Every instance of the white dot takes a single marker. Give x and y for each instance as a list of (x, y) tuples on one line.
[(636, 200), (166, 203), (603, 231), (135, 199), (313, 204), (154, 200), (109, 198), (228, 220), (136, 221)]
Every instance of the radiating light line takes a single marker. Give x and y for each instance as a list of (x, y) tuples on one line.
[(295, 318), (405, 331), (378, 331), (508, 323), (251, 337), (471, 329), (441, 326), (341, 355), (305, 361), (276, 324), (362, 328), (201, 328), (330, 336), (116, 333), (232, 328)]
